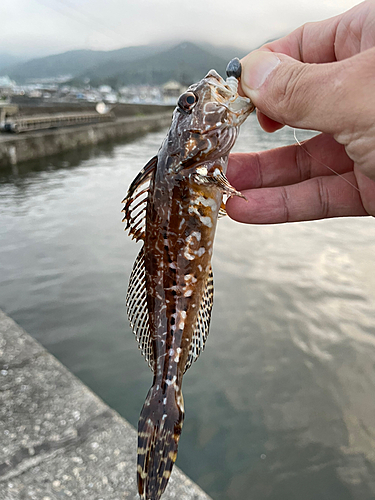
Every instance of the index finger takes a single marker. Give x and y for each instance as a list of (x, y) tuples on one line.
[(318, 156), (316, 198)]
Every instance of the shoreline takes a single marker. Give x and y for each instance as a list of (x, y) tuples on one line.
[(15, 149), (59, 439)]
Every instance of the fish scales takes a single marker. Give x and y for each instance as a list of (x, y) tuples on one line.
[(173, 206)]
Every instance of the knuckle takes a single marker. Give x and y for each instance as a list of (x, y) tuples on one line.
[(285, 205), (303, 163), (323, 198)]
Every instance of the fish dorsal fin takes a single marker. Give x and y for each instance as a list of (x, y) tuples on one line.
[(136, 304), (202, 325), (136, 201)]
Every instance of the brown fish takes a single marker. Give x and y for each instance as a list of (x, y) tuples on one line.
[(173, 205)]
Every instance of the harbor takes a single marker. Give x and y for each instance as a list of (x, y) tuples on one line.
[(51, 130)]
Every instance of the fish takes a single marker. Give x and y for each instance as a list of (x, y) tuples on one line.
[(172, 206)]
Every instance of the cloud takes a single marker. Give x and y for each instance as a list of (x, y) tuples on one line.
[(41, 27)]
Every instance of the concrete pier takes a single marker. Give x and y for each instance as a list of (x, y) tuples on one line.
[(31, 145), (58, 440)]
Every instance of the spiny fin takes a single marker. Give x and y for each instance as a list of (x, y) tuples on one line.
[(222, 182), (202, 325), (219, 179), (222, 211), (136, 201), (136, 304)]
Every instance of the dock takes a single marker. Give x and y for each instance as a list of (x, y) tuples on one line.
[(58, 440)]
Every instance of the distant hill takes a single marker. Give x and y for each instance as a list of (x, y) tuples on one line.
[(8, 60), (225, 51), (149, 64), (185, 63), (72, 63)]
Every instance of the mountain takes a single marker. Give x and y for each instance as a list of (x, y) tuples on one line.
[(115, 61), (147, 64), (74, 62), (185, 63), (68, 63), (225, 51), (8, 60)]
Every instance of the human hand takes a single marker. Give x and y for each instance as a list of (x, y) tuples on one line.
[(321, 77)]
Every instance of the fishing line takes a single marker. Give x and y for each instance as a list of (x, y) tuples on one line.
[(321, 163)]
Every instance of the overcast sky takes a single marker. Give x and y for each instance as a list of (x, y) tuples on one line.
[(43, 27)]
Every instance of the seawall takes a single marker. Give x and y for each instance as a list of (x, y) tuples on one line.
[(58, 440), (31, 145)]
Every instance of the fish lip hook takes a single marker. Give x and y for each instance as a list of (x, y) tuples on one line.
[(234, 71)]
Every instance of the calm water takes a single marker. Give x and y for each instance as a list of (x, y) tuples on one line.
[(281, 405)]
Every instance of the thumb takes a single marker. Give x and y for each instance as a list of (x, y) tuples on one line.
[(298, 94)]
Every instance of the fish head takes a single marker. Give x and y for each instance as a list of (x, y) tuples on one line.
[(206, 121), (218, 103)]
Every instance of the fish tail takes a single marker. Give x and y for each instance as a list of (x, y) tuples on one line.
[(159, 430)]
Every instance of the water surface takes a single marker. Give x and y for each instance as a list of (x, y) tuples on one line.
[(281, 404)]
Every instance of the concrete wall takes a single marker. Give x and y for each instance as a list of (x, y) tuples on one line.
[(58, 440), (31, 145)]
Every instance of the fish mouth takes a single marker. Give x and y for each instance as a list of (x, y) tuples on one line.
[(241, 105), (225, 92), (240, 109), (238, 106)]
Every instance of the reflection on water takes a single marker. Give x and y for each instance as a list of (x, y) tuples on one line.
[(281, 404)]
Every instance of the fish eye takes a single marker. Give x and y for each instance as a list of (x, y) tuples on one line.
[(187, 101)]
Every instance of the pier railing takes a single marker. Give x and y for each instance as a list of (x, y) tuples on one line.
[(42, 122)]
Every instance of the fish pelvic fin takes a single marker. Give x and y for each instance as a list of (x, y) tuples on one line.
[(159, 430)]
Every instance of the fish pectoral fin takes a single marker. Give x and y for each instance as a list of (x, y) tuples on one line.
[(202, 325), (136, 304), (136, 201), (219, 178), (222, 210)]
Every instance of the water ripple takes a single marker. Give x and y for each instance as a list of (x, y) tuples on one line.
[(281, 404)]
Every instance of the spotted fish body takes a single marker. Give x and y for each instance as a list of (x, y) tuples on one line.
[(173, 205)]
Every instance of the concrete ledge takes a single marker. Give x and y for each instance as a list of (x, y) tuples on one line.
[(31, 145), (58, 440)]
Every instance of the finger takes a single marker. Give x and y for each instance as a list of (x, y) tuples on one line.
[(367, 188), (267, 124), (311, 96), (318, 198), (289, 164)]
